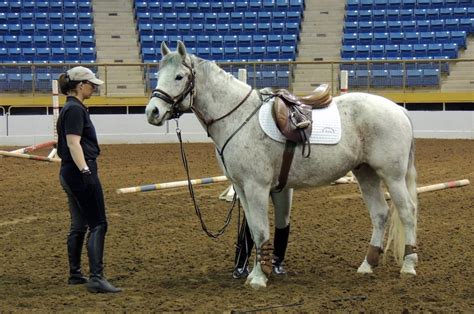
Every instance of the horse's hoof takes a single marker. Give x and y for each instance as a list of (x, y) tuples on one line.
[(408, 267), (365, 268), (258, 283)]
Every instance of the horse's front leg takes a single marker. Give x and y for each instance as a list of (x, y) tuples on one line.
[(255, 205)]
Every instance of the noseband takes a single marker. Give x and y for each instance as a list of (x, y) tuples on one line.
[(178, 99)]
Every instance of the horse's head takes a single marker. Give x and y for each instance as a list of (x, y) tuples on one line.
[(174, 91)]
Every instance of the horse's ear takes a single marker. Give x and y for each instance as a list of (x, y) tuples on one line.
[(164, 49), (181, 49)]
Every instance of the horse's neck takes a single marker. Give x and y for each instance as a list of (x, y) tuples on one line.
[(218, 94)]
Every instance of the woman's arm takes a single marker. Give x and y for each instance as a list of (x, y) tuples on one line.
[(74, 145)]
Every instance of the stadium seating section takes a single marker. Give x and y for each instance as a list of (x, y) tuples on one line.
[(424, 32), (224, 31), (40, 32), (391, 30)]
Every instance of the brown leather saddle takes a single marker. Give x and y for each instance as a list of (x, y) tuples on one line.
[(293, 115)]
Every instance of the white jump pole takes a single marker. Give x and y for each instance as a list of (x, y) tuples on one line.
[(55, 96), (169, 185), (438, 186)]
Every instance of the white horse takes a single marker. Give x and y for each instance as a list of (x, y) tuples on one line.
[(377, 144)]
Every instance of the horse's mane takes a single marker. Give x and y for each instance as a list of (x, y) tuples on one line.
[(208, 68)]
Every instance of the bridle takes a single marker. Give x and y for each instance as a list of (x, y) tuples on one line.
[(189, 88), (178, 99)]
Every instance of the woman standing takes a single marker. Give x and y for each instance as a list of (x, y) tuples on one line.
[(79, 149)]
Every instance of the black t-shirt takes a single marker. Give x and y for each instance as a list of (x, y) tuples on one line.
[(74, 119)]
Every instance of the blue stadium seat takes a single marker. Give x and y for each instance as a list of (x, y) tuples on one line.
[(362, 51), (250, 17), (289, 39), (288, 52), (72, 55), (450, 50), (435, 49), (245, 53), (258, 52), (217, 41), (237, 17), (272, 52), (379, 78), (231, 53), (377, 51), (397, 38), (459, 37), (380, 38), (40, 41), (431, 77), (269, 78), (406, 51), (259, 40), (420, 50), (14, 81), (184, 17), (204, 52), (412, 37), (365, 39), (71, 41), (443, 37), (282, 79), (190, 40), (414, 78), (203, 41), (231, 40), (391, 51), (211, 18), (348, 52), (245, 40), (217, 53), (427, 37), (223, 17), (43, 54), (170, 17), (149, 55), (274, 40), (180, 6)]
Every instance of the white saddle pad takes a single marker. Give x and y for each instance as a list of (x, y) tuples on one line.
[(326, 124)]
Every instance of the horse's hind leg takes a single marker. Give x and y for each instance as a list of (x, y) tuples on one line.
[(370, 186), (404, 238)]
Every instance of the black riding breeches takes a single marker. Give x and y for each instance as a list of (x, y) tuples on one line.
[(86, 200)]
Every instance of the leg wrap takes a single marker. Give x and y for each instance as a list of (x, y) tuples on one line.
[(265, 257)]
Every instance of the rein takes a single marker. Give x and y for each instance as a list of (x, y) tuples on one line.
[(197, 209), (176, 113)]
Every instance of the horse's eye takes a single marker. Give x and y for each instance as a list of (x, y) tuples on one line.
[(179, 77)]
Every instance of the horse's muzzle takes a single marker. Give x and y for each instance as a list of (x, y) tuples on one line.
[(153, 115)]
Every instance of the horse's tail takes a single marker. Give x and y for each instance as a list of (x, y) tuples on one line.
[(396, 231)]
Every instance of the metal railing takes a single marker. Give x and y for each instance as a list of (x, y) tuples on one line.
[(33, 79)]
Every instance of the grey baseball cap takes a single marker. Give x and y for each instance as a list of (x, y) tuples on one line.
[(81, 73)]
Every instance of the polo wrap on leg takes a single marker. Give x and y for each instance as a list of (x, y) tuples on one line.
[(265, 257)]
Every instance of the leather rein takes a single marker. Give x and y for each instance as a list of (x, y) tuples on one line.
[(175, 101)]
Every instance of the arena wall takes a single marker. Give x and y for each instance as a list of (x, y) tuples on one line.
[(19, 130)]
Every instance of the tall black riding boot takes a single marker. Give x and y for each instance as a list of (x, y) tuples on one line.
[(242, 252), (281, 242), (95, 249), (75, 241)]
